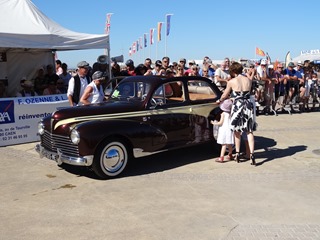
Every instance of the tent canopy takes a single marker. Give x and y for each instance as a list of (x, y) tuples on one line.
[(30, 28), (28, 38)]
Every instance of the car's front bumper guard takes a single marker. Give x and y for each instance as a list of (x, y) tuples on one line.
[(60, 158)]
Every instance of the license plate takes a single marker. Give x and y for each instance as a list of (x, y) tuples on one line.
[(50, 155)]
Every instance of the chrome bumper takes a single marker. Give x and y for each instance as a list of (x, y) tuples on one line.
[(60, 158)]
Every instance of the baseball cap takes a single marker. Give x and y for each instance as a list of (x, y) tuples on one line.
[(291, 64), (158, 63)]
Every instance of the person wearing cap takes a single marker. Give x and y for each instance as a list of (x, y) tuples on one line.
[(27, 90), (78, 83), (94, 91), (291, 79), (129, 69), (183, 62), (262, 77), (157, 67), (187, 71)]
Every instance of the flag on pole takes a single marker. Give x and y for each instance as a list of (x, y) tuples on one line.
[(108, 23), (260, 52), (159, 31), (140, 42), (137, 45), (145, 40), (134, 48), (168, 18), (130, 51), (151, 36)]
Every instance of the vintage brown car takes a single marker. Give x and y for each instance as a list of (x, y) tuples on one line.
[(143, 115)]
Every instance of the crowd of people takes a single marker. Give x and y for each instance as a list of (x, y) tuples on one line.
[(274, 86)]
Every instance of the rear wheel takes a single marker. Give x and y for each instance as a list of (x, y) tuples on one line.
[(110, 158)]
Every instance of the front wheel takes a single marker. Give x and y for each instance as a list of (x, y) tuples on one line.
[(110, 158)]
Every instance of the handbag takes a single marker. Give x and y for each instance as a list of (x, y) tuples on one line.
[(215, 130)]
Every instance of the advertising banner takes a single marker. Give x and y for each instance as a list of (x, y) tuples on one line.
[(19, 116)]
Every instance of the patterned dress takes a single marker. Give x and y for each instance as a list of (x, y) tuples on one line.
[(242, 113)]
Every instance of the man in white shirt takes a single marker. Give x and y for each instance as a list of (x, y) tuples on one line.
[(78, 83)]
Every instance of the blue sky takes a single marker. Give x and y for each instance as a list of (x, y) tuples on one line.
[(216, 29)]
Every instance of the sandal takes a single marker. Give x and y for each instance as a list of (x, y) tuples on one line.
[(220, 160), (230, 157)]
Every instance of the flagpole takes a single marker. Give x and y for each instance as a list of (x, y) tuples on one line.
[(107, 31)]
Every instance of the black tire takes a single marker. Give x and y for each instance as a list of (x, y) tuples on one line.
[(111, 158)]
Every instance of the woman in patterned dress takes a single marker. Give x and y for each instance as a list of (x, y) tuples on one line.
[(242, 109)]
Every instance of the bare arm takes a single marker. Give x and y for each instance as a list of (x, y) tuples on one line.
[(226, 92), (86, 95), (220, 122), (70, 100)]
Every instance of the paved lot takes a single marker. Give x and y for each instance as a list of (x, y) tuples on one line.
[(178, 195)]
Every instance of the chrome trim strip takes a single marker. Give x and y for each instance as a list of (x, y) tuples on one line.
[(201, 109), (60, 158), (138, 152)]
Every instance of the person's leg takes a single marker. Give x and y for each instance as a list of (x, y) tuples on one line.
[(222, 152), (230, 156), (237, 141), (250, 137)]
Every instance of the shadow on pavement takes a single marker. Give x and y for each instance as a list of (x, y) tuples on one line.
[(276, 153), (176, 158)]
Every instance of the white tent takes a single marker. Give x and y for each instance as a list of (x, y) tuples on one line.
[(28, 39), (310, 55)]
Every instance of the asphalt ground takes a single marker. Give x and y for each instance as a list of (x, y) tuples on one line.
[(182, 194)]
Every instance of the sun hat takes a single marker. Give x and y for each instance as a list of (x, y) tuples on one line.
[(226, 105)]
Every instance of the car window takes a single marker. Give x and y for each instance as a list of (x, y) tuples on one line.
[(168, 93), (200, 90), (131, 90)]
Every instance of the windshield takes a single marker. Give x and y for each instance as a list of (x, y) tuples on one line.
[(131, 91)]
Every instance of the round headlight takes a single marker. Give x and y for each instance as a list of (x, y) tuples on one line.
[(40, 128), (75, 136)]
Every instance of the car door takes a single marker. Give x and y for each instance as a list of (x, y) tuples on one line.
[(169, 112), (201, 97)]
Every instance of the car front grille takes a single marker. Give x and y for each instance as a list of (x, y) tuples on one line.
[(52, 142)]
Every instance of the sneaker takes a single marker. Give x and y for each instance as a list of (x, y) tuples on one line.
[(258, 104)]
